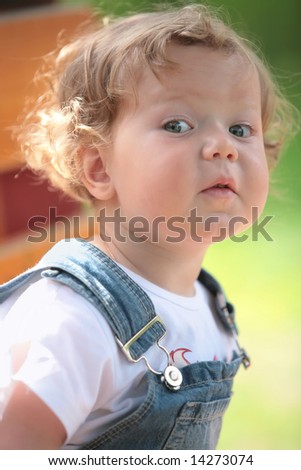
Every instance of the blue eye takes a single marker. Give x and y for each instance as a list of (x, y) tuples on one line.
[(177, 126), (241, 130)]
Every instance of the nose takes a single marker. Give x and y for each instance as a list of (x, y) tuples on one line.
[(219, 144)]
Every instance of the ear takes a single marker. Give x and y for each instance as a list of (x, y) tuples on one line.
[(95, 177)]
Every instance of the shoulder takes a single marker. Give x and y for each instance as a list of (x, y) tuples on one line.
[(46, 303)]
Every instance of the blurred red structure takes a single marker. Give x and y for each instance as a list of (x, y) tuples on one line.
[(25, 36)]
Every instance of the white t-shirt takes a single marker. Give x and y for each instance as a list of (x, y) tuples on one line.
[(74, 363)]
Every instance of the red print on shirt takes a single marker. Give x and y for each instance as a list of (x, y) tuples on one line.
[(179, 353), (178, 357)]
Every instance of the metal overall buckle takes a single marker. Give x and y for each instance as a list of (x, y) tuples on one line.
[(171, 375)]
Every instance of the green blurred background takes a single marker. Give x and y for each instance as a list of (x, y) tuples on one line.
[(263, 277)]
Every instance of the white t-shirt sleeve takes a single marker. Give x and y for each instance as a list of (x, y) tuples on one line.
[(68, 349)]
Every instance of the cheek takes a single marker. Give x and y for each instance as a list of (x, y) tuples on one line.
[(262, 182), (257, 172), (258, 188)]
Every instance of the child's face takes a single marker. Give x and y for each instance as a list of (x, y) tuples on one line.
[(196, 128)]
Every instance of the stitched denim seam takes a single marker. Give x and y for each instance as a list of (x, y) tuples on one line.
[(196, 384)]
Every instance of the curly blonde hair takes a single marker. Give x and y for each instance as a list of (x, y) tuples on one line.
[(88, 78)]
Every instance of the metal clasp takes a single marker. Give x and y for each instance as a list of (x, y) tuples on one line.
[(171, 376)]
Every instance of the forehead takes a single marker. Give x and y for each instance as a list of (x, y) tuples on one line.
[(200, 72)]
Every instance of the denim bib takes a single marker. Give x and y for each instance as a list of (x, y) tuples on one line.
[(183, 409)]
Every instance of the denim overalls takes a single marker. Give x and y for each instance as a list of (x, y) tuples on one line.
[(183, 408)]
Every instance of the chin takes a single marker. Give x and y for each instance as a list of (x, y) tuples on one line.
[(221, 232)]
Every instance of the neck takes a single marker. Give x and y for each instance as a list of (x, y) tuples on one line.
[(174, 268)]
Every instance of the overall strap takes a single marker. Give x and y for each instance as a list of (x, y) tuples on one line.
[(91, 273), (225, 311), (126, 307)]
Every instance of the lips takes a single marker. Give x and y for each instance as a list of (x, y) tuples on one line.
[(223, 187)]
